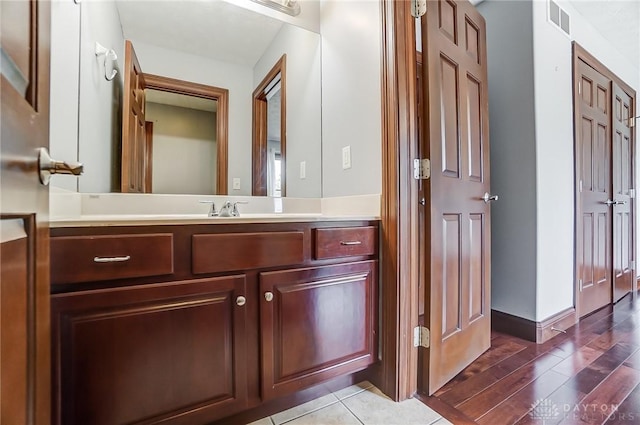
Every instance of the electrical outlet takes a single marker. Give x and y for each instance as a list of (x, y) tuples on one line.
[(346, 157), (303, 170), (236, 183)]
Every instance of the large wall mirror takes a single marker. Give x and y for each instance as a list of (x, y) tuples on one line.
[(214, 44)]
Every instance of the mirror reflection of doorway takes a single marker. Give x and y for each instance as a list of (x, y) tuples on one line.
[(182, 145), (274, 142), (142, 169), (269, 133)]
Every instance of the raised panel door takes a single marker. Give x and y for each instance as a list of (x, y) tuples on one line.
[(594, 243), (622, 170), (172, 352), (457, 231), (316, 324), (24, 206)]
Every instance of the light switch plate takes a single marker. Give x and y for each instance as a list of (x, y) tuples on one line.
[(236, 183), (346, 157), (303, 170)]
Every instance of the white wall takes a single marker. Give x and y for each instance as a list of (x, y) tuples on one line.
[(65, 69), (303, 103), (236, 78), (554, 155), (184, 149), (100, 114), (351, 96), (513, 156)]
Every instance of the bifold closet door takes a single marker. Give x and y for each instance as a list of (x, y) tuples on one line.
[(622, 167)]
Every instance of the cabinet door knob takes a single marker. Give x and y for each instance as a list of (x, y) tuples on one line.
[(241, 300), (268, 296)]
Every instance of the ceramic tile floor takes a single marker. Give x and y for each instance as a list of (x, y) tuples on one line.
[(361, 404)]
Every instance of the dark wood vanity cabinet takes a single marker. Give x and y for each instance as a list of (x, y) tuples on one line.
[(212, 332)]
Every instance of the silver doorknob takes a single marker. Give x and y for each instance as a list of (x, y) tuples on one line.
[(489, 198), (609, 202), (48, 167), (241, 300), (268, 296), (619, 202)]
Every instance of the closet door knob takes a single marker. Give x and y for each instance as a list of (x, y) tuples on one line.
[(241, 301), (489, 198), (268, 296)]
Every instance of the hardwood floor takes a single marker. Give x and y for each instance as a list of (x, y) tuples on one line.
[(590, 375)]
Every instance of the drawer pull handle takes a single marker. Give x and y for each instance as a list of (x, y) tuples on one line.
[(241, 300), (268, 296), (111, 259), (349, 243)]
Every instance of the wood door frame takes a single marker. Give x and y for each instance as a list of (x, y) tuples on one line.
[(221, 95), (398, 371), (259, 131), (580, 53)]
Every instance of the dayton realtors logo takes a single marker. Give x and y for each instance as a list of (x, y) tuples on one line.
[(546, 411)]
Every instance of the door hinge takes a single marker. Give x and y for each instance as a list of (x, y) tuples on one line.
[(632, 264), (632, 121), (632, 193), (418, 8), (579, 87), (580, 284), (580, 185), (421, 169), (421, 337)]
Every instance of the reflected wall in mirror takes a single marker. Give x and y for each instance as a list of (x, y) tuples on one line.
[(215, 43)]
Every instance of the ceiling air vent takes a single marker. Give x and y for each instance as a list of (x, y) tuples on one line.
[(559, 17)]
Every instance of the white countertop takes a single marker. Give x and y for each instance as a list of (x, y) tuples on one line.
[(72, 209), (96, 220)]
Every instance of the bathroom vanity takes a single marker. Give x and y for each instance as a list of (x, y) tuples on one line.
[(191, 321)]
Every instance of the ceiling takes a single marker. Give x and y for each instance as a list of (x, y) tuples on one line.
[(214, 29), (616, 20)]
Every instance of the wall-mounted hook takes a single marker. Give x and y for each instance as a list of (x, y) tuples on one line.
[(109, 54)]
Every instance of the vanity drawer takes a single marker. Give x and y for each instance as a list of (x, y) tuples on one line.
[(345, 242), (240, 251), (94, 258)]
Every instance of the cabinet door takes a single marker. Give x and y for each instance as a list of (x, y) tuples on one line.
[(316, 324), (171, 353)]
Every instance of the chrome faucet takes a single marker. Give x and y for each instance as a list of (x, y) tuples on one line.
[(230, 209), (212, 212)]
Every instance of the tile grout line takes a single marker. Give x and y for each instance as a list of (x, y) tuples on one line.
[(350, 411), (309, 412)]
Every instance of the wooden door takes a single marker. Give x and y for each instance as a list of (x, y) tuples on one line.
[(24, 206), (133, 124), (164, 353), (316, 324), (622, 167), (457, 142), (593, 226)]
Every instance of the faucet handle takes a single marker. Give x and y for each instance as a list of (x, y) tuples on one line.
[(212, 212), (235, 212)]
